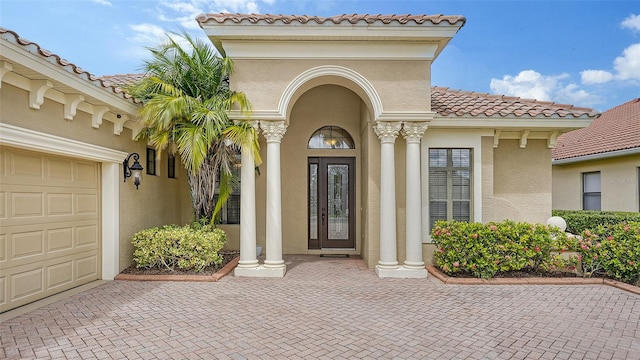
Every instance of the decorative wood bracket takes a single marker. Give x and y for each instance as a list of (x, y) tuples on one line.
[(496, 138), (523, 138), (98, 113), (553, 137), (136, 128), (71, 103), (5, 67), (118, 124), (38, 89)]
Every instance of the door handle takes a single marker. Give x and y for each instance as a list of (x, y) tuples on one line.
[(323, 216)]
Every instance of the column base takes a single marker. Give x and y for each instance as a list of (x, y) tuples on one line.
[(401, 272), (260, 271)]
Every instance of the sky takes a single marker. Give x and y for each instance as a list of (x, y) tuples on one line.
[(585, 53)]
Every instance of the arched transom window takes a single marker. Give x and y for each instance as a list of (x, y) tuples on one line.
[(331, 137)]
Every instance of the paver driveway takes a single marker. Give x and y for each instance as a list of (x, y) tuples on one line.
[(329, 309)]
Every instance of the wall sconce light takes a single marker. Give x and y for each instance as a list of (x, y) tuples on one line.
[(134, 169)]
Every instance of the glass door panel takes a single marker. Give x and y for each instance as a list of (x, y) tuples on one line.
[(331, 198)]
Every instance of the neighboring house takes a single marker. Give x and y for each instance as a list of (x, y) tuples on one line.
[(598, 167), (360, 153), (66, 215)]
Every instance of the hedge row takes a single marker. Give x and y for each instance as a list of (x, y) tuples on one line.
[(190, 247), (581, 220), (482, 250), (612, 251)]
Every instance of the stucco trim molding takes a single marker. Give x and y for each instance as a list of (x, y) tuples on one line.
[(33, 140), (289, 93), (110, 181), (330, 70)]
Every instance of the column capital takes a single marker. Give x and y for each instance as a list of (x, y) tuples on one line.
[(273, 130), (387, 131), (413, 131)]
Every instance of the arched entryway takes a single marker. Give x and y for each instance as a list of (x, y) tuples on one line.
[(324, 218)]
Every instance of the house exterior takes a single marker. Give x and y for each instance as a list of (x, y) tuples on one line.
[(361, 154), (419, 153), (598, 167), (66, 215)]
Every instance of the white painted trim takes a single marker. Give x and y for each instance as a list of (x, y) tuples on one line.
[(34, 140), (605, 155), (454, 138), (322, 32), (110, 220), (345, 50), (50, 70), (110, 181), (511, 123), (406, 116)]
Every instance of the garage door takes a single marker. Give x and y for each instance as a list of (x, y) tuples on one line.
[(49, 225)]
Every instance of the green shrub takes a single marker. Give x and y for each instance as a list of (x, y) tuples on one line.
[(186, 247), (612, 250), (486, 249), (581, 220)]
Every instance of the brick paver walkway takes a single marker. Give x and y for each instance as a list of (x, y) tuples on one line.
[(330, 309)]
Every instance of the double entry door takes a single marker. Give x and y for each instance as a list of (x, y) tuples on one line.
[(331, 202)]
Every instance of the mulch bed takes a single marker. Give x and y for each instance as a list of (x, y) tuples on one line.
[(227, 256), (521, 274)]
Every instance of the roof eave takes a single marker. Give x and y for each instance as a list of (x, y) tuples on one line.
[(598, 156), (562, 124), (231, 33)]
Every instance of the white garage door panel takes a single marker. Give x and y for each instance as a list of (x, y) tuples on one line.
[(30, 282), (49, 225), (39, 242)]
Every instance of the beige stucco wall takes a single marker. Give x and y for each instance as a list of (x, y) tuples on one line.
[(618, 180), (159, 199), (264, 81), (521, 182)]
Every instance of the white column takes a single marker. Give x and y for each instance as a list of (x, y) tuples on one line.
[(273, 132), (248, 259), (387, 132), (413, 265)]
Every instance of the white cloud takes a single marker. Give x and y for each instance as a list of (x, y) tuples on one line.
[(147, 34), (103, 2), (172, 16), (627, 66), (530, 84), (596, 76), (632, 22)]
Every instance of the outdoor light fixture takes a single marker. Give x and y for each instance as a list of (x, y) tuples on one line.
[(134, 169)]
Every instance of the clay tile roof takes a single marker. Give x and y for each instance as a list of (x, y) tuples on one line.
[(34, 48), (616, 129), (447, 102), (121, 80), (338, 19)]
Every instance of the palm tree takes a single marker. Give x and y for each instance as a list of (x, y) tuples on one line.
[(186, 99)]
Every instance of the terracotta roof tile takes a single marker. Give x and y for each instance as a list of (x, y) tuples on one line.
[(121, 80), (338, 19), (616, 129), (34, 48), (447, 102)]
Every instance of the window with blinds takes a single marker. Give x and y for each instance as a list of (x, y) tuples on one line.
[(449, 185), (591, 191)]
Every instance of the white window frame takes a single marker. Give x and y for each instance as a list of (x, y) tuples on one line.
[(450, 169), (591, 191)]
